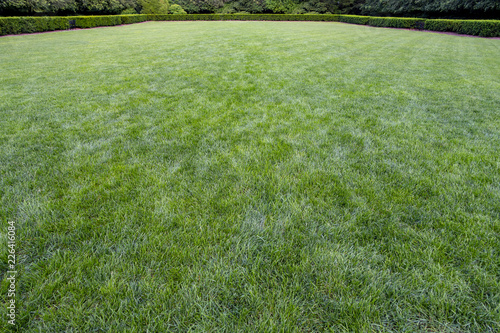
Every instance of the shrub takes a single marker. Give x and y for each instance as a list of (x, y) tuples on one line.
[(19, 25), (96, 21), (176, 9), (242, 7), (397, 22), (310, 7), (484, 28), (128, 19), (154, 7), (243, 17), (129, 11), (354, 19), (229, 9)]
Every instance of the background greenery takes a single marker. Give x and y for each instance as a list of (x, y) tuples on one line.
[(251, 176), (30, 24), (489, 9), (484, 28)]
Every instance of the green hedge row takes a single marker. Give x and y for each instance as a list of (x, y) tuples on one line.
[(484, 28), (128, 19), (396, 22), (17, 25), (243, 17), (20, 25), (390, 22), (106, 20), (96, 21), (26, 24)]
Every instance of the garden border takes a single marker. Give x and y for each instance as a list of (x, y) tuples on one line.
[(26, 25)]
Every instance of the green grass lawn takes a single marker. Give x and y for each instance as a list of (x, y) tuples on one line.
[(251, 176)]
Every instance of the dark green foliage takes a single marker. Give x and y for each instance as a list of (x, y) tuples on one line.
[(392, 22), (100, 6), (244, 17), (433, 8), (484, 28), (129, 11), (397, 22), (312, 6), (96, 21), (281, 6), (200, 6), (128, 19), (238, 6), (37, 7), (477, 9), (19, 25), (65, 7), (345, 6), (354, 19)]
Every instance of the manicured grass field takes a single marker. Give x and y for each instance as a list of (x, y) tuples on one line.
[(251, 177)]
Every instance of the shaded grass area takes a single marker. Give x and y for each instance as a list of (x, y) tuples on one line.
[(251, 176)]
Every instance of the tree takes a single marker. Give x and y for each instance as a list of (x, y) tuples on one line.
[(100, 6), (433, 8), (154, 6), (176, 9)]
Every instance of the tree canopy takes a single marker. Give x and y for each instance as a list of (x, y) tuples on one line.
[(405, 8)]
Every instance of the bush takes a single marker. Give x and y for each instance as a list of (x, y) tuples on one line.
[(310, 7), (484, 28), (129, 11), (19, 25), (176, 9), (242, 7), (154, 7), (245, 17), (227, 9), (397, 22), (128, 19), (96, 21), (354, 19)]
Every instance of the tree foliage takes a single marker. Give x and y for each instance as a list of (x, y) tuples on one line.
[(408, 8), (433, 8), (176, 9), (154, 6)]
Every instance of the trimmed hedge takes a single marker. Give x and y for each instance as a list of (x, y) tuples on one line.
[(96, 21), (354, 19), (397, 22), (24, 25), (483, 28), (17, 25), (129, 19), (243, 17)]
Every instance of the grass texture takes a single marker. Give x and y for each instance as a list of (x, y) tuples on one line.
[(251, 177)]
